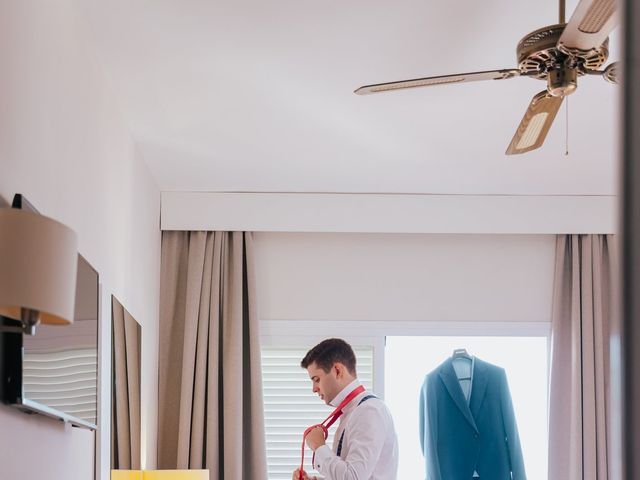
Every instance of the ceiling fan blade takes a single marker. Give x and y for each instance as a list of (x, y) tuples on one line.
[(535, 124), (441, 80), (589, 26)]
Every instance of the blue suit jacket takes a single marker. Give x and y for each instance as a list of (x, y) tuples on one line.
[(458, 438)]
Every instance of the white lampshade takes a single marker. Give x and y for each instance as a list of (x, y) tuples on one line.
[(38, 266)]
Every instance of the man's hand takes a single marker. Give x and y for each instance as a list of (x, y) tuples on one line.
[(296, 475), (315, 438)]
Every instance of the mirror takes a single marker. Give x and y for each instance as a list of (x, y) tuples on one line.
[(55, 371), (126, 336)]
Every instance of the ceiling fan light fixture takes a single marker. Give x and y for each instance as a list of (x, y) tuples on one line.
[(597, 15), (562, 82), (532, 132)]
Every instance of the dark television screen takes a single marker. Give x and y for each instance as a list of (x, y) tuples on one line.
[(55, 371)]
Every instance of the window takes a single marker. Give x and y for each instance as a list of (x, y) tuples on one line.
[(409, 359), (290, 406), (393, 359)]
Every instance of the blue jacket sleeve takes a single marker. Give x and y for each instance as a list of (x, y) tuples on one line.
[(511, 431)]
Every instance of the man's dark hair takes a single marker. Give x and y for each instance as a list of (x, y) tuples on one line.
[(328, 352)]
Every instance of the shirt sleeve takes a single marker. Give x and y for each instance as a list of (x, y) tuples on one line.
[(367, 432)]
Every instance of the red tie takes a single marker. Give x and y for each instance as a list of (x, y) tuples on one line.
[(330, 420)]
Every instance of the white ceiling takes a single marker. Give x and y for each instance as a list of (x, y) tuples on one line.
[(255, 95)]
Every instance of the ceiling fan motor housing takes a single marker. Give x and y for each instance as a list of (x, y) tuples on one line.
[(539, 56)]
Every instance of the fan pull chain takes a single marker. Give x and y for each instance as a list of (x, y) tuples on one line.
[(566, 137)]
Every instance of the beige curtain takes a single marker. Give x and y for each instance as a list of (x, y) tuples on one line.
[(125, 390), (579, 402), (210, 387)]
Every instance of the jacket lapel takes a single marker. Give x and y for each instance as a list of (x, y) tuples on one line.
[(478, 387), (450, 380)]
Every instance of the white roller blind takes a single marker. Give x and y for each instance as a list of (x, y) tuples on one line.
[(290, 405)]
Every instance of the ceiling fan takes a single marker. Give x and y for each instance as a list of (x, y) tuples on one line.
[(557, 53)]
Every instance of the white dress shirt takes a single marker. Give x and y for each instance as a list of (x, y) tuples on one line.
[(370, 445)]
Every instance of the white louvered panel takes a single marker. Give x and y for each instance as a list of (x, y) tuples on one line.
[(290, 405), (63, 379), (73, 403), (36, 393), (60, 357), (58, 375), (49, 387)]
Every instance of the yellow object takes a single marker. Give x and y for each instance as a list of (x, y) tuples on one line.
[(160, 475), (126, 475), (176, 475)]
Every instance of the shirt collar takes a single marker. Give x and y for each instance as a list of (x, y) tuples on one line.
[(344, 392)]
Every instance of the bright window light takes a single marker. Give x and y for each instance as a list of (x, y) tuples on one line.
[(409, 359)]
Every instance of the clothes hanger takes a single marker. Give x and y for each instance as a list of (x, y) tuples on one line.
[(461, 353)]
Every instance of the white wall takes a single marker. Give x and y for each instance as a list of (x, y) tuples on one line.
[(65, 146), (404, 277)]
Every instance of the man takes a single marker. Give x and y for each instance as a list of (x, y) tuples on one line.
[(365, 446)]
